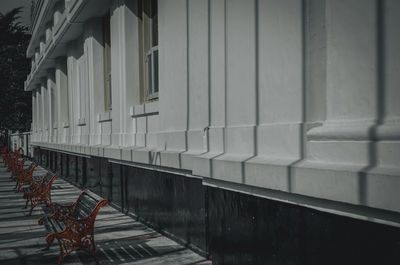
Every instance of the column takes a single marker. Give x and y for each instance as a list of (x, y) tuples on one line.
[(358, 143), (94, 51), (213, 137), (45, 111), (198, 80), (241, 90), (351, 106), (130, 43), (117, 69), (279, 101), (83, 118), (62, 98), (74, 52), (39, 114), (34, 118), (52, 103), (173, 34)]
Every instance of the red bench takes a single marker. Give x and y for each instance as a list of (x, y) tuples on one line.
[(25, 177), (11, 158), (73, 225), (39, 191), (18, 168)]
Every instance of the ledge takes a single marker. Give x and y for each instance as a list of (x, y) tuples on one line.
[(333, 207), (81, 121), (353, 131), (104, 116), (146, 109)]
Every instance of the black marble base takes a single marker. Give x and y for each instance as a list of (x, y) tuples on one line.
[(245, 229), (231, 227)]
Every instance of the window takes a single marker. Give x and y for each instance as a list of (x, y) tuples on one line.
[(67, 90), (107, 62), (148, 54)]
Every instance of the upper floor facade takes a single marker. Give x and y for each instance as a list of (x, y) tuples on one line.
[(289, 100)]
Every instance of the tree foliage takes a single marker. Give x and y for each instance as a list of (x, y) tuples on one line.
[(15, 103)]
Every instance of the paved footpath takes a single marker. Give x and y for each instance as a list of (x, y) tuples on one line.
[(119, 238)]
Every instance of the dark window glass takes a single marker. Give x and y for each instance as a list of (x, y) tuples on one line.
[(155, 71)]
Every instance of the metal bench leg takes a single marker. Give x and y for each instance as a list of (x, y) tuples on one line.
[(33, 205), (49, 241), (91, 249), (60, 258), (65, 249), (26, 203)]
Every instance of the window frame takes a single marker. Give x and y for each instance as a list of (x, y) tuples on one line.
[(148, 74), (150, 91)]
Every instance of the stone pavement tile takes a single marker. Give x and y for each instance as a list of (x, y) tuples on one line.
[(119, 238)]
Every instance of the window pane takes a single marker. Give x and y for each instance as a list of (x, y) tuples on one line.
[(154, 23), (155, 71), (109, 92), (149, 74)]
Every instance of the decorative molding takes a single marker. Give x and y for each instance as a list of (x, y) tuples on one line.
[(60, 23)]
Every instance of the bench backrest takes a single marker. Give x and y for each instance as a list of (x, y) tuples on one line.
[(47, 177), (30, 166), (87, 206), (21, 164), (45, 186), (29, 171)]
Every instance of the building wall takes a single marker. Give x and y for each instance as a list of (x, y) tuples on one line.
[(290, 101)]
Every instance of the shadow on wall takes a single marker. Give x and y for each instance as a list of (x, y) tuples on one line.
[(380, 108)]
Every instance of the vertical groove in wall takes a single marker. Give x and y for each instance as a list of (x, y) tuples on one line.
[(119, 70), (304, 19), (315, 62), (49, 106), (122, 88), (256, 93), (256, 76), (124, 93), (70, 98), (380, 61), (302, 129), (187, 78), (380, 96), (209, 66), (206, 130), (225, 83), (89, 66), (146, 118)]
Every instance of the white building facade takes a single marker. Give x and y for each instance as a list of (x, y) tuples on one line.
[(227, 122)]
